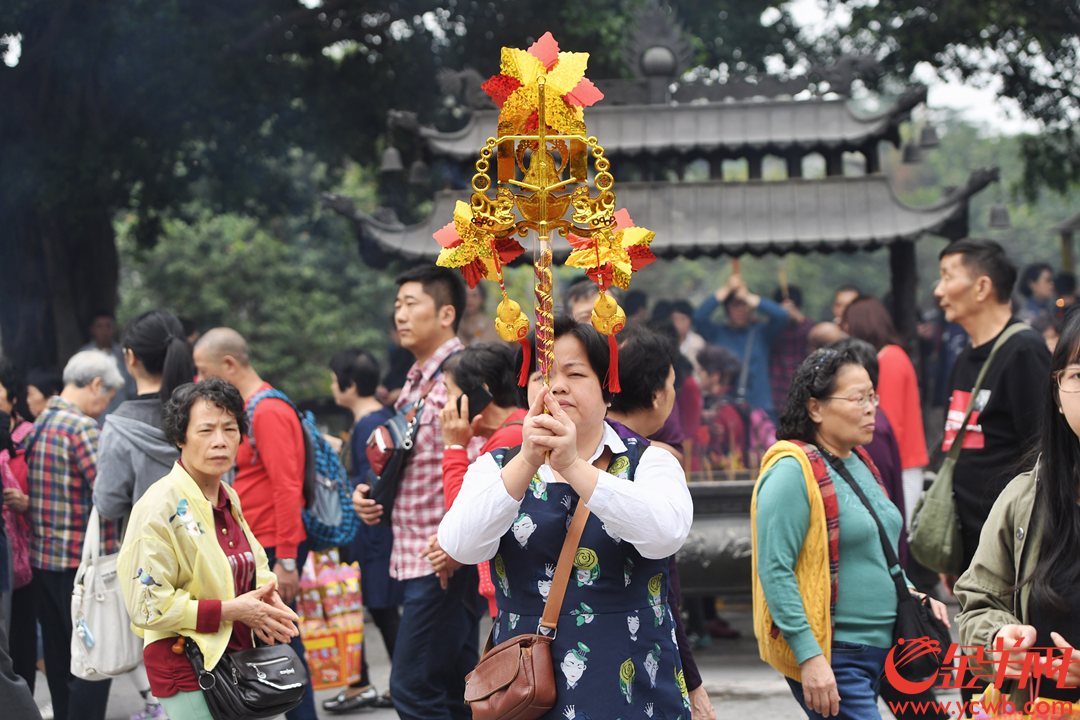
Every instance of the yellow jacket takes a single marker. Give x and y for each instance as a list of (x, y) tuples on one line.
[(171, 559), (811, 572)]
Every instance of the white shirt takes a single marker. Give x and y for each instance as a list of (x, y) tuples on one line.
[(653, 513)]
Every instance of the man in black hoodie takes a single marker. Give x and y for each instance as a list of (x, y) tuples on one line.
[(976, 280)]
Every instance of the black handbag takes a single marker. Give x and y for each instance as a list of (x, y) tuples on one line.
[(262, 682), (915, 619)]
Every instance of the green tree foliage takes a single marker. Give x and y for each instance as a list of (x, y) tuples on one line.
[(1029, 47), (140, 107), (294, 288)]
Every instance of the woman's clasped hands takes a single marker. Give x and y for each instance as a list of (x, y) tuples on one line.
[(264, 613), (553, 433)]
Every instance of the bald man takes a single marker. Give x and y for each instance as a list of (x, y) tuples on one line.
[(270, 482), (822, 334)]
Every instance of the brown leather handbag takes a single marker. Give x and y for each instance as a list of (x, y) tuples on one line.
[(515, 680)]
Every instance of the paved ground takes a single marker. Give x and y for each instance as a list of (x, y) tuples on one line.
[(740, 684)]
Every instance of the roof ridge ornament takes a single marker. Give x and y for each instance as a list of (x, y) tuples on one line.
[(542, 93)]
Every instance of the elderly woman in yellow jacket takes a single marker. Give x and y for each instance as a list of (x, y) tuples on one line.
[(189, 560), (824, 597)]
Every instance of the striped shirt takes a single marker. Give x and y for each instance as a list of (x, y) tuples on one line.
[(62, 465)]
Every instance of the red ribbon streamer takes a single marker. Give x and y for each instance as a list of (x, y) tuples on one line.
[(526, 358), (613, 365)]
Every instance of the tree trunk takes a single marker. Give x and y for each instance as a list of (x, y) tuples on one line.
[(63, 270)]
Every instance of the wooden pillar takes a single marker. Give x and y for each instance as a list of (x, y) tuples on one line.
[(794, 164), (834, 162), (873, 160), (1067, 263), (904, 280), (716, 166), (753, 163)]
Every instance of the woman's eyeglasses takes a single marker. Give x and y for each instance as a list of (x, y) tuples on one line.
[(1068, 380), (863, 400)]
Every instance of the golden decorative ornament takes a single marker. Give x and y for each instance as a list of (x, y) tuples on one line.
[(541, 139)]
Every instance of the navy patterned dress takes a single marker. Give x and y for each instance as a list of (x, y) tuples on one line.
[(614, 651)]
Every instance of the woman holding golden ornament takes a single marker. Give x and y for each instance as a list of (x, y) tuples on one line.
[(614, 646)]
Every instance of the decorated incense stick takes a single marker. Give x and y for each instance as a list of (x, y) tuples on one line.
[(541, 136)]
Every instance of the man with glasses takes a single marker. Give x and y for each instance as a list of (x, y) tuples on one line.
[(976, 280)]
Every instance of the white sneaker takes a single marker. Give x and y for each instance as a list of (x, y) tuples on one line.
[(46, 711)]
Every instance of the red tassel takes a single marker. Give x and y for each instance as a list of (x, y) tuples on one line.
[(526, 358), (613, 365)]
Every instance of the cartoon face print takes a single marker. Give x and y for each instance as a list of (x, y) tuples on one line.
[(612, 535), (187, 518), (514, 617), (523, 528), (627, 571), (584, 615), (634, 623), (495, 632), (586, 567), (652, 664), (500, 572), (573, 664), (538, 487), (542, 578), (626, 680)]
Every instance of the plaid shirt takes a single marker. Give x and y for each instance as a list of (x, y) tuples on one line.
[(419, 507), (787, 354), (62, 465)]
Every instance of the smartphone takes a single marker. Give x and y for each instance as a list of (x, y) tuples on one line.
[(479, 398)]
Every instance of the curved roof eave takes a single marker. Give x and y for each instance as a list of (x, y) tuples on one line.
[(757, 125), (756, 217)]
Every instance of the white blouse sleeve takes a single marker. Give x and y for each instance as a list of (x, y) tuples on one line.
[(653, 512), (481, 514)]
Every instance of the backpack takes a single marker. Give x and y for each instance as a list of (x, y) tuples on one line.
[(329, 519)]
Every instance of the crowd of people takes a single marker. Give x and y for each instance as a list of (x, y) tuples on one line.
[(165, 436)]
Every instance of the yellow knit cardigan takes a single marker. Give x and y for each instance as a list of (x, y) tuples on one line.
[(811, 572)]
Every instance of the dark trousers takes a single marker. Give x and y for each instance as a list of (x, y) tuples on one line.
[(437, 646), (387, 620), (73, 698), (22, 638), (306, 709)]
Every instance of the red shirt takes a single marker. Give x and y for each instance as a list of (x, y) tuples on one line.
[(170, 673), (270, 483), (456, 462), (899, 391)]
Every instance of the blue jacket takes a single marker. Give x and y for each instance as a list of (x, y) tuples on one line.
[(758, 389)]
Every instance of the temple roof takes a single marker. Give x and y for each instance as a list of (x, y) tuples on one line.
[(763, 125), (716, 217)]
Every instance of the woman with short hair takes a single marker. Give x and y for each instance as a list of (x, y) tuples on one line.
[(615, 644), (824, 596), (189, 556)]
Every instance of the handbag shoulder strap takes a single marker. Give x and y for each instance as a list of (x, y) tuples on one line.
[(890, 554), (958, 441), (553, 605), (92, 541)]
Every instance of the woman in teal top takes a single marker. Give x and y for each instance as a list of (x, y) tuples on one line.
[(831, 407)]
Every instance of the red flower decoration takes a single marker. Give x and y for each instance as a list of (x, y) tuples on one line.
[(500, 87)]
